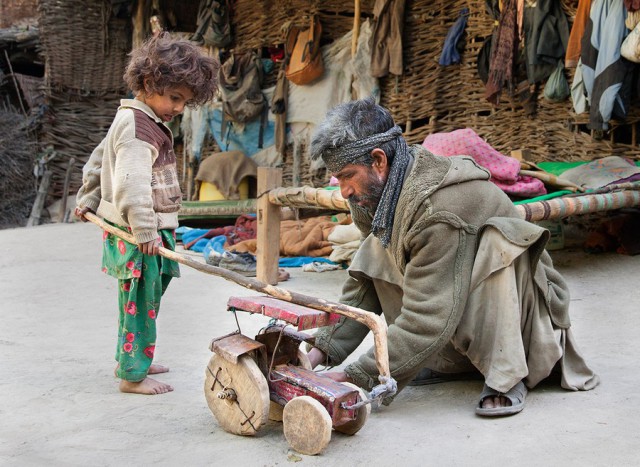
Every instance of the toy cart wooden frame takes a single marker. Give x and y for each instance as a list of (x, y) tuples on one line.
[(249, 381)]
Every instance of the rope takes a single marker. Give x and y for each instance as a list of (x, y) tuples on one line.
[(387, 388)]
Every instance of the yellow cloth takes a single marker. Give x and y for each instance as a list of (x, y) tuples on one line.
[(226, 170)]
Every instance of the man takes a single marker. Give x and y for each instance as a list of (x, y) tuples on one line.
[(463, 282)]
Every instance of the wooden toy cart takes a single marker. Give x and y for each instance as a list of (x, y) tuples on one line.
[(249, 381)]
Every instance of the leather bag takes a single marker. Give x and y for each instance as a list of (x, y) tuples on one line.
[(303, 56)]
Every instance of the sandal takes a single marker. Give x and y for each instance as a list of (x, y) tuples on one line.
[(516, 395)]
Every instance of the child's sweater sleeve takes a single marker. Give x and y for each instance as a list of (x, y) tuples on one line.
[(132, 192), (89, 193)]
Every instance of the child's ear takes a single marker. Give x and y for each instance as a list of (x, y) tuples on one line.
[(147, 87)]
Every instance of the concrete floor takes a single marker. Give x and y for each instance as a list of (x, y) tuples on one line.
[(59, 402)]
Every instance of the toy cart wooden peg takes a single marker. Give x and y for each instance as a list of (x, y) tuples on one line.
[(249, 381)]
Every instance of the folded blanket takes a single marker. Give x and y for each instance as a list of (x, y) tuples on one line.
[(308, 237), (603, 172), (505, 171)]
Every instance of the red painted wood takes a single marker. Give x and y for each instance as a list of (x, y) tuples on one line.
[(300, 316), (287, 382)]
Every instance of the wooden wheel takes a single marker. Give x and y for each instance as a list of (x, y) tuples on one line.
[(362, 414), (275, 412), (307, 425), (237, 394)]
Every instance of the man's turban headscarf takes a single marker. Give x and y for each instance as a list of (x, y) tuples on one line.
[(336, 158)]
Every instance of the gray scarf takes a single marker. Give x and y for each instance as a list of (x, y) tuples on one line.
[(336, 158)]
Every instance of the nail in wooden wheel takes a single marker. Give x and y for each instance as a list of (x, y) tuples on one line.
[(352, 427), (307, 425), (237, 394)]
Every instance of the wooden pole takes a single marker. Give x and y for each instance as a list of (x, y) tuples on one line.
[(374, 322), (356, 28), (189, 182), (268, 244), (296, 162), (38, 205), (13, 77), (65, 189)]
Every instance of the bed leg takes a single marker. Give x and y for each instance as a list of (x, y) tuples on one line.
[(268, 237)]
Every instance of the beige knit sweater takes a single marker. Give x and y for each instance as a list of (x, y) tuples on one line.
[(131, 177)]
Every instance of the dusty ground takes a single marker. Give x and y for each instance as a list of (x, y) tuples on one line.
[(59, 403)]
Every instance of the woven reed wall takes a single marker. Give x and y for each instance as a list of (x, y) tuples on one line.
[(74, 127), (258, 23), (86, 48), (12, 11), (86, 51), (430, 98)]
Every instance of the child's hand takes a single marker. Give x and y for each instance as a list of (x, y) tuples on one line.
[(80, 212), (151, 248)]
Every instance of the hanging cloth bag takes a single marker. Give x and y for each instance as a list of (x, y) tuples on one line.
[(556, 88), (240, 83), (302, 53), (213, 24)]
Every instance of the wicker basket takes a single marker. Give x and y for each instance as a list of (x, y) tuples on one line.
[(85, 46)]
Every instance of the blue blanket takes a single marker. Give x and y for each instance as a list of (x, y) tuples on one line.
[(206, 245)]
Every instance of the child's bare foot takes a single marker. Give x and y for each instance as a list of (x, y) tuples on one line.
[(146, 386), (154, 369)]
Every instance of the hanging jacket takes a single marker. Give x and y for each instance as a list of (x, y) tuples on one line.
[(546, 33), (603, 69), (386, 53)]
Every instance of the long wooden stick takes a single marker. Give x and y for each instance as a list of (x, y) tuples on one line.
[(374, 322), (356, 28)]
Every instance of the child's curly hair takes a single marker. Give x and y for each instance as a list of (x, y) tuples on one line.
[(171, 62)]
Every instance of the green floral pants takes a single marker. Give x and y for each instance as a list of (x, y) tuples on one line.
[(142, 280)]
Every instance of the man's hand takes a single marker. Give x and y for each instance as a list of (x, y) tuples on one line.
[(339, 376), (151, 248), (317, 356), (80, 212)]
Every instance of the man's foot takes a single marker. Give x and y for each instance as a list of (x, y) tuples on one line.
[(147, 386), (154, 369), (494, 404)]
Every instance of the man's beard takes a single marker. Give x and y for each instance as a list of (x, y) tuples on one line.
[(370, 200)]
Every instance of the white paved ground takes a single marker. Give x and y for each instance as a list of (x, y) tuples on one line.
[(59, 403)]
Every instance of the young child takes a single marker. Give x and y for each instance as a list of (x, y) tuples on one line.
[(131, 181)]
